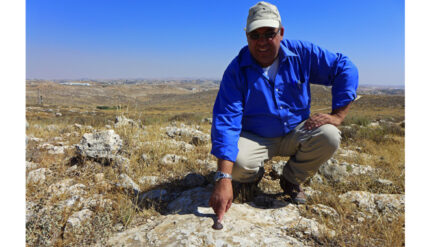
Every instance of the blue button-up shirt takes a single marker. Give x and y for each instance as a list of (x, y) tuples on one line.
[(247, 99)]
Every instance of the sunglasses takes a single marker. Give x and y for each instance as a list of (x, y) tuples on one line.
[(266, 35)]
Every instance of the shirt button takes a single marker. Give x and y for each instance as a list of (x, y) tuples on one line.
[(277, 89), (285, 123), (281, 107)]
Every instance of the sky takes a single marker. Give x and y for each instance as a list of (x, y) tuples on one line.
[(104, 39)]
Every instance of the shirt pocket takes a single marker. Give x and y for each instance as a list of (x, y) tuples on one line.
[(297, 95)]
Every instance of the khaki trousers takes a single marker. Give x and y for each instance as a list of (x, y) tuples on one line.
[(307, 149)]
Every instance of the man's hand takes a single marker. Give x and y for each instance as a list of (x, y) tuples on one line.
[(319, 119), (221, 198), (335, 117)]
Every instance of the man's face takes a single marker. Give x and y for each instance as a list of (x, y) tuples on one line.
[(265, 49)]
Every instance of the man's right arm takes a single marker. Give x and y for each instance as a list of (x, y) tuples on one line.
[(225, 132), (222, 196)]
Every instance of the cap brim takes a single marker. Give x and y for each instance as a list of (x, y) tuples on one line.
[(262, 23)]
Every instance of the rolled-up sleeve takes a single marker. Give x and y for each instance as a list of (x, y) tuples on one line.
[(227, 115), (331, 69)]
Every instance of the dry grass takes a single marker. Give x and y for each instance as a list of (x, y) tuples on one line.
[(158, 106)]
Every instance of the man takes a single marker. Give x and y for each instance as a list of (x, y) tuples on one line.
[(262, 109)]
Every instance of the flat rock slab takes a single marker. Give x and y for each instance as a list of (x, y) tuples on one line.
[(243, 225)]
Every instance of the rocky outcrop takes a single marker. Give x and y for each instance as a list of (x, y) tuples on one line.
[(191, 222), (338, 172)]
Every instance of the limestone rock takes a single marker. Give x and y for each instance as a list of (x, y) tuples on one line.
[(31, 165), (338, 172), (277, 169), (102, 146), (75, 225), (334, 172), (385, 182), (149, 180), (121, 121), (326, 211), (375, 203), (38, 176), (244, 225), (184, 131), (171, 159), (51, 149), (127, 183)]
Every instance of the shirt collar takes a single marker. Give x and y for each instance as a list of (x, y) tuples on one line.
[(248, 60)]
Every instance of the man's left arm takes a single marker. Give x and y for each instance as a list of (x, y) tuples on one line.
[(330, 69)]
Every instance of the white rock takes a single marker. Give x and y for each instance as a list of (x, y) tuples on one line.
[(171, 159), (278, 167), (149, 180), (96, 201), (384, 182), (75, 223), (59, 188), (38, 176), (375, 203), (102, 145), (326, 211), (244, 225), (334, 172), (121, 121), (31, 165), (127, 183), (52, 149)]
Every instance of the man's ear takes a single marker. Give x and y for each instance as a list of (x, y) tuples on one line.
[(282, 32)]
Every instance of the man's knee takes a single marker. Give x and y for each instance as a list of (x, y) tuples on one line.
[(330, 136), (246, 171)]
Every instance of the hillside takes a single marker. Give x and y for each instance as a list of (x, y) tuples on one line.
[(129, 165)]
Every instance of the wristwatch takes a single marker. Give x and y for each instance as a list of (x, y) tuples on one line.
[(219, 175)]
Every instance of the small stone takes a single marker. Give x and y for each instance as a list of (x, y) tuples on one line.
[(384, 182), (217, 225)]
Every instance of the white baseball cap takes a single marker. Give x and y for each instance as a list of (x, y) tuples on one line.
[(263, 14)]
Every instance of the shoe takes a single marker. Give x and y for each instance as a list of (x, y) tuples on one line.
[(293, 190)]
